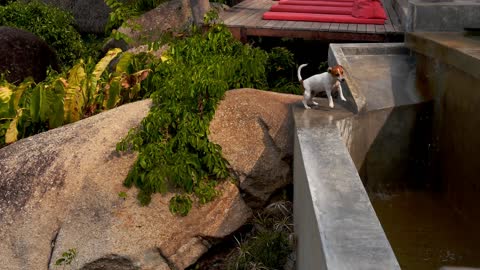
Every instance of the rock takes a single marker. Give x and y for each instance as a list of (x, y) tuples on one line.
[(91, 16), (173, 16), (60, 190), (24, 54), (255, 130)]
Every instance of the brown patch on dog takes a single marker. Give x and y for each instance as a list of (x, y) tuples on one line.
[(336, 70)]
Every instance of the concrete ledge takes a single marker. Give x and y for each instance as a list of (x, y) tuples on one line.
[(463, 50), (442, 15), (334, 220), (379, 76)]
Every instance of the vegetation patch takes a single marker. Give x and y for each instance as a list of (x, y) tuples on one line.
[(265, 243), (186, 85), (172, 140), (86, 89), (52, 24)]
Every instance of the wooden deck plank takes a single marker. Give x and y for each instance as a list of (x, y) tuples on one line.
[(255, 20), (380, 28), (302, 25), (321, 26), (343, 27), (352, 27), (289, 25), (333, 27), (236, 11), (362, 28), (393, 18), (250, 9), (370, 28), (273, 24)]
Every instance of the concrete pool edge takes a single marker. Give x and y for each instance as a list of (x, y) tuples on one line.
[(335, 223)]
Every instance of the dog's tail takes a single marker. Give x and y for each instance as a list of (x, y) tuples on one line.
[(298, 72)]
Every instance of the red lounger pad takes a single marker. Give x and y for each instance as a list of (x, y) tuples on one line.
[(332, 18), (317, 3), (312, 9), (368, 9), (312, 1)]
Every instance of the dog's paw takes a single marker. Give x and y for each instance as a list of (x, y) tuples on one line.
[(315, 103), (330, 105), (344, 99), (307, 107)]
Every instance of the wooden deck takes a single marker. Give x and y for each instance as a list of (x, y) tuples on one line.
[(245, 19)]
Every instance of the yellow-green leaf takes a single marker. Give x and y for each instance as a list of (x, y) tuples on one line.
[(125, 60), (5, 94), (103, 63), (19, 92), (12, 132)]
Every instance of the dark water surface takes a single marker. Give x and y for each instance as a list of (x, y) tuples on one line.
[(425, 232)]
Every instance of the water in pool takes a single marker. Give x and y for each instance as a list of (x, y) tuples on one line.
[(425, 232)]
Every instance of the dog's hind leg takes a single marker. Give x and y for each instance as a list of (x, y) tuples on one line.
[(307, 96)]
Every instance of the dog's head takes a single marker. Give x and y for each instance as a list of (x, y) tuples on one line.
[(337, 72)]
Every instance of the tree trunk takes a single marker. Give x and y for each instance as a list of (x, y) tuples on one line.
[(199, 8)]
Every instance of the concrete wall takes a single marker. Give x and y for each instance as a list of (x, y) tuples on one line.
[(449, 66), (382, 141), (310, 253), (442, 15), (335, 223)]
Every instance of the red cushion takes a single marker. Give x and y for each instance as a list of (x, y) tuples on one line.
[(317, 3), (368, 9), (313, 1), (332, 18), (312, 9)]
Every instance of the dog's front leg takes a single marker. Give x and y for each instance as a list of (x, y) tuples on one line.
[(330, 100), (341, 92)]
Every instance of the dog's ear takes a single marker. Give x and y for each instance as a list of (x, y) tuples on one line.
[(329, 70), (341, 67)]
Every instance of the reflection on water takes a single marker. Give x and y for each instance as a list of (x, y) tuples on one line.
[(425, 232)]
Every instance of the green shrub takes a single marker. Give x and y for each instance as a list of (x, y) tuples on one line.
[(53, 25), (267, 250), (281, 71), (173, 140), (180, 204)]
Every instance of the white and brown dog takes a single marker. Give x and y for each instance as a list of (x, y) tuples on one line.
[(327, 81)]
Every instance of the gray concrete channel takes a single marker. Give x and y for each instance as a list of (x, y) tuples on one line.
[(365, 146)]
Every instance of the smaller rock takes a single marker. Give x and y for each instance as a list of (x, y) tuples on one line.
[(24, 54)]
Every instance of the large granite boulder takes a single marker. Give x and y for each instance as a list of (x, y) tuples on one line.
[(59, 190), (23, 54), (91, 16), (255, 130), (170, 16), (174, 16)]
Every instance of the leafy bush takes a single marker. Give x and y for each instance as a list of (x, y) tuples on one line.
[(173, 140), (267, 250), (281, 71), (53, 25), (267, 245), (180, 204)]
